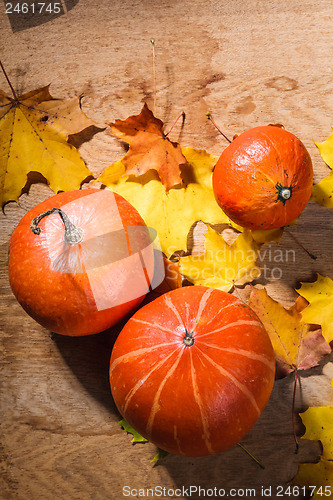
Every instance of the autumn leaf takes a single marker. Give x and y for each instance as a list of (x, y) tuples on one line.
[(171, 213), (263, 236), (322, 193), (150, 148), (222, 265), (34, 129), (320, 308), (137, 438), (317, 478), (160, 455), (318, 422), (297, 346)]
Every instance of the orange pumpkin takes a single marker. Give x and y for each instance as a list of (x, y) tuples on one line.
[(263, 179), (192, 371), (81, 261)]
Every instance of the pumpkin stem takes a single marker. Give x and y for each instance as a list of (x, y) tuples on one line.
[(73, 234), (284, 193), (188, 339)]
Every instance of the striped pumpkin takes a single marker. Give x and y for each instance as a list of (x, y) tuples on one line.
[(192, 371)]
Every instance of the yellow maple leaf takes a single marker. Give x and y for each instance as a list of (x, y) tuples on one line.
[(320, 308), (262, 236), (296, 344), (34, 129), (172, 213), (318, 477), (318, 421), (222, 265), (322, 192)]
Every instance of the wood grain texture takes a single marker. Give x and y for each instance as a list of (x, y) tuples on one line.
[(248, 63)]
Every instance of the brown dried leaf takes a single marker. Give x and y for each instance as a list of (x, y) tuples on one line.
[(149, 147)]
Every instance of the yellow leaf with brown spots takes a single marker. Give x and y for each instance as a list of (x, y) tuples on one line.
[(318, 477), (297, 345), (34, 129)]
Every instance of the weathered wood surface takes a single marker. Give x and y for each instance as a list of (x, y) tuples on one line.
[(248, 63)]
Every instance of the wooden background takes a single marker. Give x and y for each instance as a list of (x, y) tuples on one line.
[(249, 63)]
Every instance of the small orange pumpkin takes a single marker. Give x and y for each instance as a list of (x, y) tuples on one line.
[(81, 261), (263, 179)]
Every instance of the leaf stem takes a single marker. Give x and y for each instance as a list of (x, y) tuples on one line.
[(237, 294), (251, 456), (313, 257), (6, 76), (293, 411), (209, 116), (152, 41), (174, 123)]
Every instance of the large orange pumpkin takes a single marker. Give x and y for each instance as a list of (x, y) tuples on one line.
[(263, 179), (192, 371), (81, 261)]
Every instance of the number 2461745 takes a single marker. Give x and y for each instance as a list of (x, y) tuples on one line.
[(34, 8), (295, 491)]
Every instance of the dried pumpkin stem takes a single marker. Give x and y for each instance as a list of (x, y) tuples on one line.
[(6, 76), (188, 339), (73, 234)]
